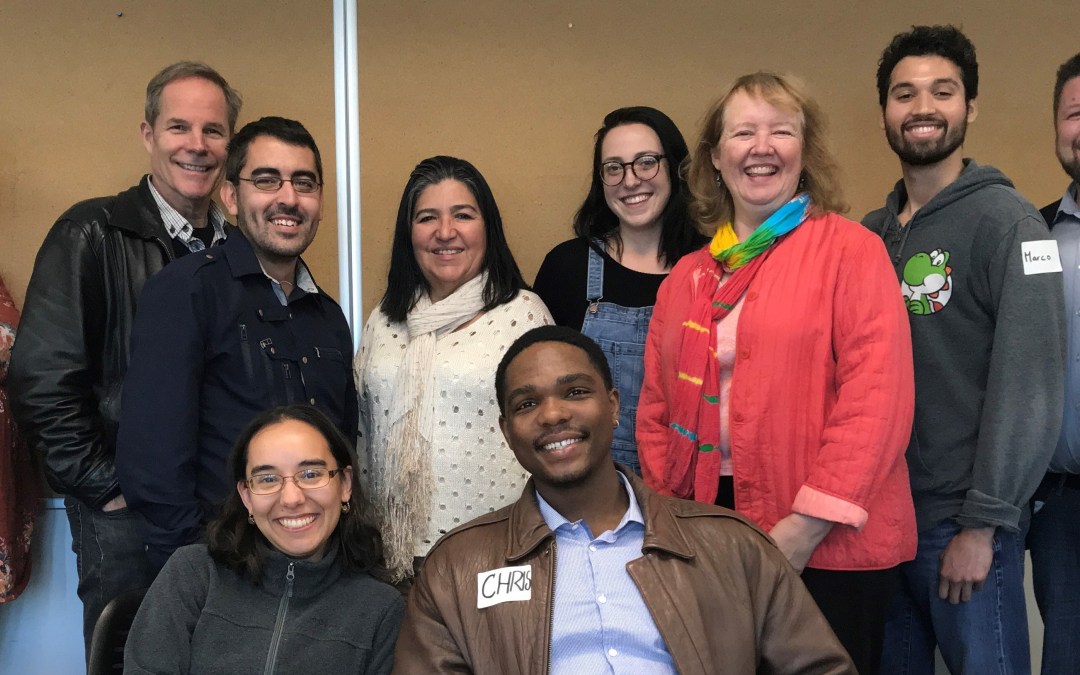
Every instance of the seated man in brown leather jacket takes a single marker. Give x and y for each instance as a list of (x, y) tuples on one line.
[(590, 570)]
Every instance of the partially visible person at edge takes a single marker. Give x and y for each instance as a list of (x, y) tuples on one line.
[(288, 581), (222, 336), (1054, 536), (982, 282), (74, 341), (18, 475), (454, 302), (633, 226), (590, 571), (778, 378)]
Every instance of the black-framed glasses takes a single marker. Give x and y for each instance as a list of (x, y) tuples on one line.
[(302, 184), (644, 167), (308, 479)]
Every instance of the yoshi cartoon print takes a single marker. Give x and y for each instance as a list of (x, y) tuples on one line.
[(927, 285)]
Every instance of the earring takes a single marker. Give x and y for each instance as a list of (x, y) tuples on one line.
[(802, 181), (719, 180), (251, 518), (616, 423), (345, 506)]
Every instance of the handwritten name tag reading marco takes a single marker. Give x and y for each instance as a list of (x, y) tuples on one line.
[(1040, 257), (506, 584)]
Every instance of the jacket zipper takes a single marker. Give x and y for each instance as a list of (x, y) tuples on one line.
[(283, 608), (551, 602)]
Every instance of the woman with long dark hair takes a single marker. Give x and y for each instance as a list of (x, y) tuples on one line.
[(632, 228), (454, 302)]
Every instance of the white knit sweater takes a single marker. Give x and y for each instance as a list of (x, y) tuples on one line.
[(474, 470)]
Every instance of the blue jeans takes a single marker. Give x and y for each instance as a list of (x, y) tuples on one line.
[(986, 635), (110, 556), (1054, 540)]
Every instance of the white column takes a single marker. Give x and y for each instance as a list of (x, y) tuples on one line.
[(347, 136)]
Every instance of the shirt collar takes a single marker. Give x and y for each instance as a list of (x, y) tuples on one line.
[(1068, 202), (555, 520), (180, 229), (304, 280)]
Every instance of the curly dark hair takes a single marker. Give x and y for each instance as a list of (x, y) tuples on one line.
[(944, 41), (238, 545)]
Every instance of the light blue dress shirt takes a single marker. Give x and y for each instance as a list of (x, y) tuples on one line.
[(600, 623), (1067, 234)]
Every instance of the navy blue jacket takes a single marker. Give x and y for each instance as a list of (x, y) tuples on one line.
[(212, 347)]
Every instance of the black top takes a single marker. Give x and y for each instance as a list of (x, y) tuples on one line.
[(563, 278)]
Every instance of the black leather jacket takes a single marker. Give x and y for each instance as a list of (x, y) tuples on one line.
[(73, 343)]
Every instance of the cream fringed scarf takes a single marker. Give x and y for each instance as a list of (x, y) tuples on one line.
[(403, 492)]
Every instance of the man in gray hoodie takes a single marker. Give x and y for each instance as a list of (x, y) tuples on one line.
[(981, 278)]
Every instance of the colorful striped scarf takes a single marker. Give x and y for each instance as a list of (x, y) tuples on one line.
[(695, 416)]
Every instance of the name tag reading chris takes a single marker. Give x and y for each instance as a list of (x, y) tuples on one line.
[(506, 584), (1040, 257)]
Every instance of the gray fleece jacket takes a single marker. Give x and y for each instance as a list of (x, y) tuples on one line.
[(988, 336), (200, 617)]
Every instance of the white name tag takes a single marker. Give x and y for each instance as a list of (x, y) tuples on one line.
[(506, 584), (1040, 257)]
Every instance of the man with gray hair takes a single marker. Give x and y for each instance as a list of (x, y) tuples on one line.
[(73, 344)]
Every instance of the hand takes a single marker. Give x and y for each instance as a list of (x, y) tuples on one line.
[(797, 536), (965, 562), (114, 504)]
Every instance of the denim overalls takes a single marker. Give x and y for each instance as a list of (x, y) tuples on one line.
[(620, 332)]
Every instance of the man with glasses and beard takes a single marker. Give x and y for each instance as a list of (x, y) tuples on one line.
[(1054, 537), (981, 279), (223, 335)]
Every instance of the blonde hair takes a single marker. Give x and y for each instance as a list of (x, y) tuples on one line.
[(712, 201)]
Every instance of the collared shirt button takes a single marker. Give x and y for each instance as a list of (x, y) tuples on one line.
[(311, 400), (613, 652), (260, 312), (592, 547), (601, 598), (273, 350), (303, 360), (209, 256)]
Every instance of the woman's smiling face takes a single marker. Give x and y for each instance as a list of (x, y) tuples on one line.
[(637, 203), (296, 521), (759, 156), (448, 236)]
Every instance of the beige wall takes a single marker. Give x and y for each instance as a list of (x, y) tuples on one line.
[(518, 88), (73, 78)]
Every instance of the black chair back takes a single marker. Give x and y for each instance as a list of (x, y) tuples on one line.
[(111, 632)]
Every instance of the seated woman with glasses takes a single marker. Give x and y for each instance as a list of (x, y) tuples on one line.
[(429, 422), (632, 228), (286, 582)]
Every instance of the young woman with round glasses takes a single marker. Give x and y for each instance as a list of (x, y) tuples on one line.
[(632, 228), (287, 581)]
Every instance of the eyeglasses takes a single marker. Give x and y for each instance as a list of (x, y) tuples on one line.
[(308, 479), (644, 167), (302, 184)]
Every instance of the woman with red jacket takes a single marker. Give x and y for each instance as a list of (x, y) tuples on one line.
[(778, 371)]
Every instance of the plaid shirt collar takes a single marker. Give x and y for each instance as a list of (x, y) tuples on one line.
[(181, 230)]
